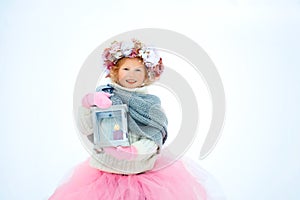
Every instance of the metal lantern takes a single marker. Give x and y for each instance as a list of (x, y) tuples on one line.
[(110, 126)]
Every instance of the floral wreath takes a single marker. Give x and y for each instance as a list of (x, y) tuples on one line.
[(133, 49)]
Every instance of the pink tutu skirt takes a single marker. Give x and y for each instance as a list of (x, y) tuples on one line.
[(172, 182)]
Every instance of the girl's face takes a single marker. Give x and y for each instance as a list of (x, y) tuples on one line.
[(132, 73)]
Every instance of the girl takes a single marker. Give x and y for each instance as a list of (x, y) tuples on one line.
[(116, 173)]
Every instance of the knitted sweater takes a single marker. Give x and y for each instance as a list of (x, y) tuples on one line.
[(144, 161), (147, 148)]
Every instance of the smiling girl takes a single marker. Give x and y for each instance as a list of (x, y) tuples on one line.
[(127, 173)]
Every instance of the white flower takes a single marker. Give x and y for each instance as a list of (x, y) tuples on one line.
[(117, 55), (126, 47), (143, 53), (149, 56), (153, 57)]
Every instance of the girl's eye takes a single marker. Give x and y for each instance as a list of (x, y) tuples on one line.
[(125, 68), (138, 70)]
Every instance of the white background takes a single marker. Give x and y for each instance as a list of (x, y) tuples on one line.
[(254, 45)]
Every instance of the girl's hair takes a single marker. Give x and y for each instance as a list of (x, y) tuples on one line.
[(114, 72)]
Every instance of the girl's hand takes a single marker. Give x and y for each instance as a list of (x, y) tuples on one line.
[(99, 99)]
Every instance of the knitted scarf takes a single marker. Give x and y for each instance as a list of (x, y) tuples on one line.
[(145, 115)]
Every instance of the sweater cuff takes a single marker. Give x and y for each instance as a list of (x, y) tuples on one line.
[(145, 149)]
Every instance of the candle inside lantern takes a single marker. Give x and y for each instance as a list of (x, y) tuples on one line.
[(117, 133)]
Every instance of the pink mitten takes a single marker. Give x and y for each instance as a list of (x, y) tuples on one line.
[(99, 99), (122, 153)]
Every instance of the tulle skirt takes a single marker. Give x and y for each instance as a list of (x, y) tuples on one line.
[(173, 182)]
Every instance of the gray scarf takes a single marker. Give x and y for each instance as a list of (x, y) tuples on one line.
[(145, 115)]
